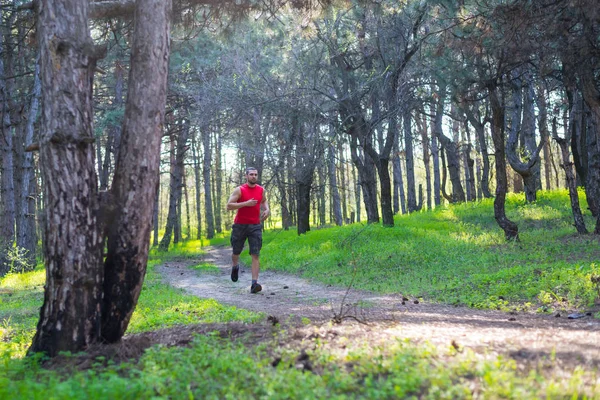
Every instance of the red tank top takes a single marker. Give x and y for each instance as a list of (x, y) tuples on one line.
[(249, 215)]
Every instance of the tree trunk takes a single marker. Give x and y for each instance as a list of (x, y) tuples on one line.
[(458, 194), (435, 154), (7, 187), (218, 181), (178, 151), (474, 117), (426, 158), (26, 224), (528, 170), (567, 166), (411, 195), (196, 162), (544, 136), (344, 182), (333, 186), (208, 207), (366, 172), (511, 230), (135, 184), (71, 312)]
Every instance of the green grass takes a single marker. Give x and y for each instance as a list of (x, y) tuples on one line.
[(216, 368), (159, 305), (455, 255)]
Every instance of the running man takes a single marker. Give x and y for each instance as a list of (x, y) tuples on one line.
[(252, 208)]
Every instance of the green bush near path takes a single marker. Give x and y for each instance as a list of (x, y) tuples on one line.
[(456, 255)]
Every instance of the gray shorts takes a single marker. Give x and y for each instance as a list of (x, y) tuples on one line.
[(241, 232)]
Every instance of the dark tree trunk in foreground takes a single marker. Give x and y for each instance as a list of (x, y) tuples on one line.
[(71, 312), (79, 308), (137, 170), (511, 230)]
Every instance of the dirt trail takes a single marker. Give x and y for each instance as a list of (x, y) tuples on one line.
[(526, 337)]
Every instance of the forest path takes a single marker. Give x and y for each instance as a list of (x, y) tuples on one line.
[(526, 337)]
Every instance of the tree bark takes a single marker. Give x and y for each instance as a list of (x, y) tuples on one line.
[(71, 312), (333, 187), (26, 224), (529, 170), (178, 151), (458, 193), (7, 172), (567, 166), (196, 162), (136, 180), (206, 172), (511, 230), (411, 195)]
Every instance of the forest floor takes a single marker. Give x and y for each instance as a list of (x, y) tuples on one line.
[(553, 342)]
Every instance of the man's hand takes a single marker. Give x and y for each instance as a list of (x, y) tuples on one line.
[(251, 203), (264, 215)]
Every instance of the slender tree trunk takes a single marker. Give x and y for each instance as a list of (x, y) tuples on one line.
[(135, 184), (544, 136), (458, 194), (71, 313), (26, 224), (7, 187), (208, 207), (567, 166), (218, 181), (172, 209), (435, 154), (410, 164), (398, 179), (333, 186), (426, 159), (528, 170), (345, 182), (196, 162), (511, 230)]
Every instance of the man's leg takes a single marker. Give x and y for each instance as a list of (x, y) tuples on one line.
[(237, 243), (255, 267)]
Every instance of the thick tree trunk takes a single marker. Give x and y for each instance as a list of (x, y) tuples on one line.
[(136, 179), (511, 230), (71, 312)]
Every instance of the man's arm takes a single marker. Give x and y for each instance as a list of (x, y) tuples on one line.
[(232, 203), (264, 206)]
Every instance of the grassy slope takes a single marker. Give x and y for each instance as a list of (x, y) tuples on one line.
[(427, 254), (454, 255)]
